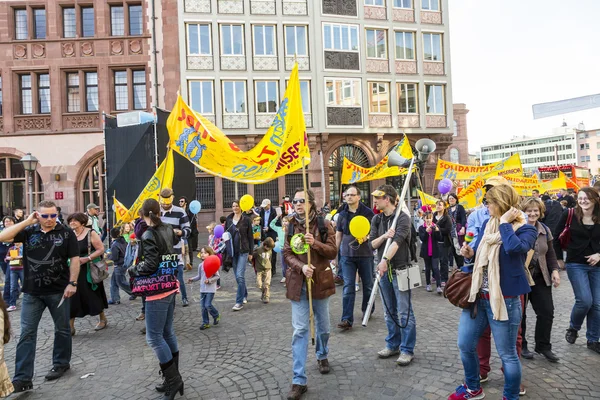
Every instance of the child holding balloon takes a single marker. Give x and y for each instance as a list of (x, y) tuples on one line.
[(208, 286)]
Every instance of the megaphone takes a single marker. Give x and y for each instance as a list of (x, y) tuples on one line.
[(425, 147), (396, 160)]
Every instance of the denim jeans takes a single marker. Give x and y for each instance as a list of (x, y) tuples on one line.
[(118, 280), (365, 267), (207, 307), (505, 337), (300, 337), (32, 309), (443, 252), (181, 282), (585, 280), (239, 267), (283, 266), (160, 334), (15, 290), (432, 265), (398, 311), (6, 270)]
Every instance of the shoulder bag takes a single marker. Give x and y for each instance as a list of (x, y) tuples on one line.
[(98, 267), (565, 236)]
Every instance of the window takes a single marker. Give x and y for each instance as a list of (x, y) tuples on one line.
[(377, 43), (201, 96), (305, 93), (136, 24), (199, 39), (121, 97), (234, 97), (430, 5), (585, 159), (379, 98), (455, 132), (405, 46), (39, 23), (44, 93), (295, 40), (435, 99), (432, 47), (87, 22), (598, 157), (343, 92), (139, 90), (205, 192), (91, 185), (229, 192), (454, 155), (403, 3), (584, 146), (91, 91), (375, 3), (267, 97), (73, 102), (0, 95), (597, 144), (340, 37), (232, 40), (26, 95), (69, 22), (21, 24), (264, 40), (117, 21), (407, 98)]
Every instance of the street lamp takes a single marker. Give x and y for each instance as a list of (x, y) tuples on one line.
[(30, 165)]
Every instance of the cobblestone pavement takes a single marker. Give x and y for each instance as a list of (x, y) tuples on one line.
[(248, 355)]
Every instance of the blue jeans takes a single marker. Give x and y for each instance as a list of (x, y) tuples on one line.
[(6, 270), (207, 307), (398, 311), (160, 334), (32, 309), (181, 282), (585, 280), (300, 337), (365, 267), (239, 267), (118, 280), (283, 266), (505, 337), (15, 290)]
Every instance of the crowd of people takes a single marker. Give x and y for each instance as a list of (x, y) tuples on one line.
[(512, 247)]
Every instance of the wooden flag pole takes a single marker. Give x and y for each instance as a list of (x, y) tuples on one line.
[(311, 316)]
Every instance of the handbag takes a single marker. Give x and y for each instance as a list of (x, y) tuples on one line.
[(98, 267), (164, 279), (458, 289), (565, 236)]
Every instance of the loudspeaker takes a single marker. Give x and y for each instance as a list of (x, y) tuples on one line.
[(396, 160), (425, 147), (409, 278)]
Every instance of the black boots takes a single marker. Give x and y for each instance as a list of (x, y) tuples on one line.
[(173, 381), (161, 387)]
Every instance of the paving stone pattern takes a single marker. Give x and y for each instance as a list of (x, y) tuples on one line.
[(248, 355)]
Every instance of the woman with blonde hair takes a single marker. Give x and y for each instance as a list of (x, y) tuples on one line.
[(498, 281)]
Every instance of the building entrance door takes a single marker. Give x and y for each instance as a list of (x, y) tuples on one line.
[(12, 196)]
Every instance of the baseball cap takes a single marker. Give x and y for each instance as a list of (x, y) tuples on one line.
[(92, 205), (265, 202), (495, 181), (385, 190)]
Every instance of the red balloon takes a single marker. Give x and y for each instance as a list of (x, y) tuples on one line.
[(211, 265)]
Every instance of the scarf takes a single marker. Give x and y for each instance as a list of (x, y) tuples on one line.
[(302, 218), (488, 255)]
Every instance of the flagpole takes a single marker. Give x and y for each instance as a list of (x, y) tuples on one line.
[(115, 210), (309, 281)]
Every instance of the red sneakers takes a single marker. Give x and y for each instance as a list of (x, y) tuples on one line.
[(463, 393)]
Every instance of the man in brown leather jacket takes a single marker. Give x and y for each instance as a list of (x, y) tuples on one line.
[(322, 250)]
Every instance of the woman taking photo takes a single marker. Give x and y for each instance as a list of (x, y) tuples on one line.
[(90, 298), (430, 236), (458, 217), (583, 267), (239, 227), (543, 267), (442, 220), (158, 241), (498, 281)]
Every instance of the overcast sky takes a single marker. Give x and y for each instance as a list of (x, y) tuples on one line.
[(508, 55)]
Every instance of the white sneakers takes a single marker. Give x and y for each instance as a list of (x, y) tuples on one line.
[(282, 280), (237, 307), (404, 359), (385, 353), (11, 308)]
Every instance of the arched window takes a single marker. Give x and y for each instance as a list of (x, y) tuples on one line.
[(454, 155), (14, 188), (336, 161), (455, 128), (91, 184)]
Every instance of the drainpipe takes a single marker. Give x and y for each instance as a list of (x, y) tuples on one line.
[(155, 60)]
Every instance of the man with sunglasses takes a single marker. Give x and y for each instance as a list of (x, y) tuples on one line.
[(51, 267), (399, 316)]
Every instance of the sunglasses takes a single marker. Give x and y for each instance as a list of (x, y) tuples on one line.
[(46, 216), (299, 201)]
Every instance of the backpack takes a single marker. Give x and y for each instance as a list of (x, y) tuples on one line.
[(320, 224)]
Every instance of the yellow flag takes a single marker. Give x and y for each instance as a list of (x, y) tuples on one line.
[(426, 198), (121, 212), (554, 186), (452, 171), (472, 196), (279, 152)]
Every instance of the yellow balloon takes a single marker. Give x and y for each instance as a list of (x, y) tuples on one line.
[(246, 202), (360, 227)]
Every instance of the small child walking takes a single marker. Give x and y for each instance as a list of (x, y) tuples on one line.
[(208, 288), (281, 239), (262, 263), (15, 263)]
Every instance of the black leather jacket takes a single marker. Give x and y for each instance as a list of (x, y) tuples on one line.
[(156, 242)]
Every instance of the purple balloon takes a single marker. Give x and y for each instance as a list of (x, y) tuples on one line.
[(445, 186), (219, 231)]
